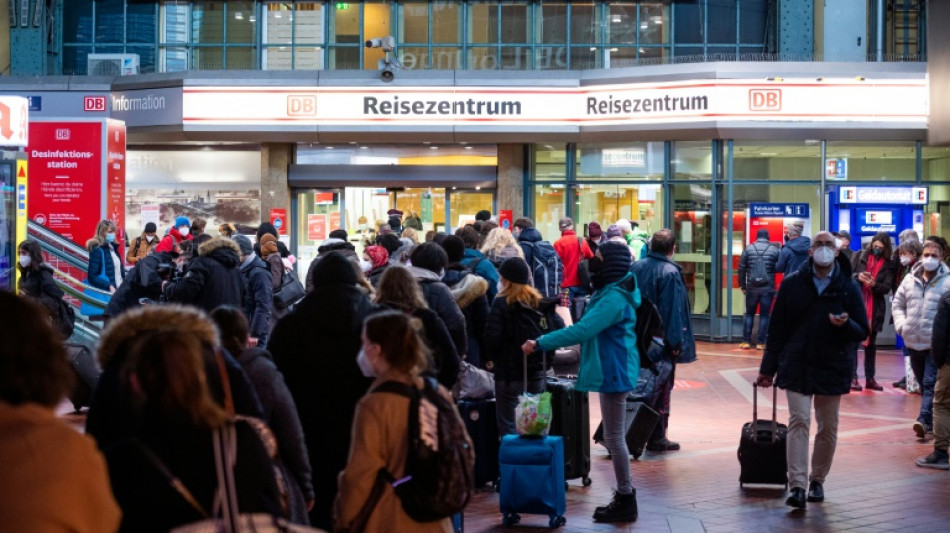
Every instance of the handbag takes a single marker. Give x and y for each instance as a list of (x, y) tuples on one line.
[(473, 383), (290, 291), (89, 309)]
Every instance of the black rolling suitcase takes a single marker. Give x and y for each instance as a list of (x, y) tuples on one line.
[(571, 421), (762, 447), (87, 374), (640, 422), (479, 417)]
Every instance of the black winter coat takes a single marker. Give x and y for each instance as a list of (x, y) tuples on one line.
[(941, 332), (474, 307), (440, 300), (315, 347), (212, 279), (40, 285), (445, 358), (883, 284), (258, 297), (806, 350), (508, 327), (142, 281)]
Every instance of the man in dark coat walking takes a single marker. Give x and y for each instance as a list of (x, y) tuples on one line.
[(212, 278), (258, 304), (315, 347), (818, 311), (144, 281)]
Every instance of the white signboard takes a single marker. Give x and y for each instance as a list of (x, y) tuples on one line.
[(623, 157), (883, 195), (14, 121)]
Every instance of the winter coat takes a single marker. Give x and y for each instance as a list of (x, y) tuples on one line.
[(413, 222), (329, 245), (139, 249), (571, 250), (142, 281), (806, 350), (258, 301), (480, 265), (471, 295), (915, 305), (40, 286), (148, 501), (607, 335), (637, 241), (212, 279), (280, 415), (380, 440), (661, 281), (276, 268), (373, 276), (508, 327), (100, 262), (170, 240), (882, 286), (941, 339), (526, 240), (54, 478), (497, 257), (445, 362), (315, 347), (793, 255), (760, 250), (440, 299)]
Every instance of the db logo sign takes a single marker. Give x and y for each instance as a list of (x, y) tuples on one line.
[(94, 103), (765, 99), (301, 105), (62, 134)]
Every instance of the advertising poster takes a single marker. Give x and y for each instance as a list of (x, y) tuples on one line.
[(334, 220), (278, 217), (150, 213), (316, 227), (65, 160), (115, 173), (505, 218)]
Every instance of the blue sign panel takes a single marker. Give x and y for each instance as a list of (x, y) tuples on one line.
[(779, 210), (35, 103)]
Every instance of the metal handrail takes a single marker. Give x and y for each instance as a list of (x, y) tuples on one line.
[(61, 243)]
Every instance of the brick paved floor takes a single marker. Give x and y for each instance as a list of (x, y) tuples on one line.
[(873, 485)]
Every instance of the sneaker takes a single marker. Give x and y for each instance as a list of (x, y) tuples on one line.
[(873, 385), (937, 459), (760, 346), (856, 385), (920, 429), (902, 384), (623, 508), (663, 445), (745, 346)]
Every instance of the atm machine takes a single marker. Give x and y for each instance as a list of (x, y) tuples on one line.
[(865, 211), (13, 197)]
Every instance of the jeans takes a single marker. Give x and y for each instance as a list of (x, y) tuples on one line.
[(799, 423), (613, 407), (942, 409), (761, 298), (925, 370), (506, 399), (662, 405)]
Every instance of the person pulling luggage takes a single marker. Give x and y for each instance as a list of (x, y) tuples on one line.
[(610, 362)]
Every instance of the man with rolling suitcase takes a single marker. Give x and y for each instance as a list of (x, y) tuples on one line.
[(818, 311)]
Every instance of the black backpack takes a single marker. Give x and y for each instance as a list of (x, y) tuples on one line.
[(759, 276), (649, 326), (547, 271)]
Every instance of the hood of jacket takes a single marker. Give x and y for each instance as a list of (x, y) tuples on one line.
[(255, 262), (332, 244), (334, 268), (422, 274), (799, 245), (530, 235), (468, 289), (177, 319), (222, 250)]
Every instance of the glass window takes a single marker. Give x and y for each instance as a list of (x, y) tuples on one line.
[(278, 24), (515, 22), (549, 208), (242, 23), (414, 22), (692, 227), (585, 24), (308, 22), (375, 24), (937, 212), (515, 57), (870, 161), (174, 28), (622, 23), (606, 204), (553, 22), (142, 26), (549, 162), (74, 59), (688, 19), (777, 160), (692, 160), (482, 23), (344, 58), (481, 58), (110, 21), (345, 24), (586, 57), (653, 24), (754, 21), (620, 161), (207, 22), (445, 22), (77, 22), (147, 57), (936, 164), (722, 21)]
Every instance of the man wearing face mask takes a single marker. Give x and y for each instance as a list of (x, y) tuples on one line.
[(843, 243), (914, 309), (178, 233), (874, 270), (795, 252), (818, 312), (143, 244)]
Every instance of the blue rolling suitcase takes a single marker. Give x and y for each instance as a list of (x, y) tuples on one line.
[(532, 478)]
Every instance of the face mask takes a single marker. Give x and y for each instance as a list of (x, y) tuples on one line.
[(365, 366), (363, 227), (824, 256), (183, 230), (877, 252), (25, 261), (149, 238), (365, 265), (499, 287), (839, 244), (930, 263), (110, 237), (905, 260)]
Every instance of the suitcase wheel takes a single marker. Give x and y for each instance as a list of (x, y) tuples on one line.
[(557, 521), (511, 519), (587, 481)]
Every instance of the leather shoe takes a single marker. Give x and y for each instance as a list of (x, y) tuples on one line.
[(902, 384), (856, 385), (816, 493), (873, 385), (797, 499), (663, 445)]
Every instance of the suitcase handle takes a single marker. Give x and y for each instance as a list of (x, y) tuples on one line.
[(755, 408)]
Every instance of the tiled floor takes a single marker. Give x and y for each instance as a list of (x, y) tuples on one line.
[(873, 485)]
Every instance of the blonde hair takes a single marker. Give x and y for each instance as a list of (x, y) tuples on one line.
[(102, 228), (497, 240), (520, 293), (411, 234)]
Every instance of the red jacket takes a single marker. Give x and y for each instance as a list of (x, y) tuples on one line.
[(169, 241), (570, 249)]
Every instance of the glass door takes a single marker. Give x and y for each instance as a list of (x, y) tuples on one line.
[(426, 203), (464, 204), (318, 212), (8, 255)]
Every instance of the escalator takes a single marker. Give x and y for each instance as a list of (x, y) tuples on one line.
[(70, 263)]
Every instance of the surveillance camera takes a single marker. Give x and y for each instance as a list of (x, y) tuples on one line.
[(387, 74), (388, 43)]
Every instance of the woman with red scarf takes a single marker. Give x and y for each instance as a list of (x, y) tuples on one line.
[(874, 270)]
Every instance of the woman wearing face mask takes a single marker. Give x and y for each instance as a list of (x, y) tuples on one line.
[(105, 268), (392, 351), (143, 244), (179, 233), (874, 271), (37, 283), (374, 262)]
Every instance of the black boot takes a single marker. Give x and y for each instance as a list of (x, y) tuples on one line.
[(797, 499), (623, 508)]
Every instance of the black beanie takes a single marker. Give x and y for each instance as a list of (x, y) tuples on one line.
[(617, 261), (515, 270), (150, 228), (454, 247)]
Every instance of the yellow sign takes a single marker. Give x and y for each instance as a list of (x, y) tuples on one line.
[(21, 213)]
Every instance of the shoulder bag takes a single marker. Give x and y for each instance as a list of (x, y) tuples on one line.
[(290, 291)]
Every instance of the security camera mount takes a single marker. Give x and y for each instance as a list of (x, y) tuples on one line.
[(389, 63)]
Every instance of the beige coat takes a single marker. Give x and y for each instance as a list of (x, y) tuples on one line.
[(53, 478), (380, 440)]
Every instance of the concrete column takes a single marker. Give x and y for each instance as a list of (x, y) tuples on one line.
[(511, 178), (275, 189)]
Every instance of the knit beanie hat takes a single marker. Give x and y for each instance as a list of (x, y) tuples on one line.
[(268, 245), (796, 228), (182, 221), (762, 234), (593, 229), (244, 244), (515, 270), (617, 261), (454, 248), (378, 255), (613, 230), (150, 228)]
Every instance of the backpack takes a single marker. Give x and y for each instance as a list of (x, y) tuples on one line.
[(440, 465), (649, 325), (583, 266), (759, 276), (547, 271)]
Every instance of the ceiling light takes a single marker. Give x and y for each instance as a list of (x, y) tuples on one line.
[(657, 19), (238, 15), (468, 147), (352, 142), (277, 15), (253, 18), (644, 25), (478, 187), (328, 147), (364, 147), (433, 148), (593, 48), (616, 19), (614, 49)]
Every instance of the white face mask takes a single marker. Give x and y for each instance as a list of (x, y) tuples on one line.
[(839, 243), (183, 230), (365, 366), (25, 261), (500, 287), (930, 263), (365, 265), (905, 260), (824, 256), (149, 238)]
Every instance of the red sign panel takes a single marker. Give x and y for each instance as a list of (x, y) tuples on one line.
[(505, 218), (115, 173), (316, 227), (65, 180), (278, 217), (334, 220), (94, 103)]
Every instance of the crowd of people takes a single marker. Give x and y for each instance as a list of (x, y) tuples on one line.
[(206, 341)]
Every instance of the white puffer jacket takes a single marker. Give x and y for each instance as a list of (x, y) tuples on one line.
[(915, 305)]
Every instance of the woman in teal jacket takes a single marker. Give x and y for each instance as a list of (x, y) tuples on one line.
[(610, 363)]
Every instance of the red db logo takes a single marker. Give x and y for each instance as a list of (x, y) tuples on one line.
[(94, 103), (301, 105), (765, 99)]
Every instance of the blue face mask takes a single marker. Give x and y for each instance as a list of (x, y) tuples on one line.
[(110, 237)]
